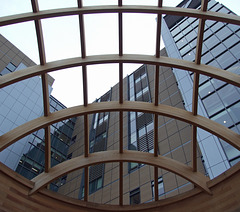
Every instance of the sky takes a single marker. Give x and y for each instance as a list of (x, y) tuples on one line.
[(62, 40)]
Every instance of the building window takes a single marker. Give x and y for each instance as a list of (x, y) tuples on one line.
[(95, 185), (135, 197), (160, 187)]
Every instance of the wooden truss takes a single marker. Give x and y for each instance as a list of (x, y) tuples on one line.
[(189, 173)]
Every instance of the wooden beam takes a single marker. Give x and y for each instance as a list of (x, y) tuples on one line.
[(187, 12), (39, 33), (121, 131), (198, 55), (82, 31), (86, 137), (155, 135), (121, 183), (199, 121), (85, 87), (120, 83), (194, 148), (120, 30), (86, 183), (168, 164), (210, 71), (159, 27), (156, 183), (156, 90), (47, 148)]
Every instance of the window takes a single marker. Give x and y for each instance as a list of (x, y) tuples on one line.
[(95, 185), (160, 187), (135, 197)]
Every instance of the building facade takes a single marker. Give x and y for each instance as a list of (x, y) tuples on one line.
[(22, 102), (218, 100), (174, 142)]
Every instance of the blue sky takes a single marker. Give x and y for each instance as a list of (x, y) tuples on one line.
[(101, 38)]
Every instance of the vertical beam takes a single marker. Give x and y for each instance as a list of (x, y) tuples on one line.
[(83, 52), (82, 31), (85, 88), (120, 131), (194, 148), (155, 135), (120, 30), (156, 183), (86, 173), (120, 83), (120, 183), (86, 153), (39, 33), (156, 85), (196, 83), (86, 138), (47, 149), (44, 77), (156, 154), (120, 35), (159, 24)]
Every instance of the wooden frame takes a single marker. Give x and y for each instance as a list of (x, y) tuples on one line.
[(121, 155)]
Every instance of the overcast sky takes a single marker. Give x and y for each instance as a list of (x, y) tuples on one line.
[(61, 38)]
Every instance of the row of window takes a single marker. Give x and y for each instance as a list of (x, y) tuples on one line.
[(135, 194), (97, 142)]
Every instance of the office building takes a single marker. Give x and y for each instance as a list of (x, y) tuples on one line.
[(21, 103), (218, 100), (174, 142)]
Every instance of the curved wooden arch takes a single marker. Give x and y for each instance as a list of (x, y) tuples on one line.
[(172, 112), (179, 114), (13, 19), (210, 71), (66, 167)]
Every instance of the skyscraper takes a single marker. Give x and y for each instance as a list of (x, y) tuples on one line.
[(217, 100)]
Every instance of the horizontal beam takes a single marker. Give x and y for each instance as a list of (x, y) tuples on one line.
[(199, 121), (217, 16), (210, 71), (168, 164)]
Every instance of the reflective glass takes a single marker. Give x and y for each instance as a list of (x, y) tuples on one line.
[(223, 118), (229, 95), (206, 89), (234, 112), (213, 104)]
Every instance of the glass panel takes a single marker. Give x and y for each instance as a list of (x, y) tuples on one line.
[(234, 112), (206, 89), (223, 118), (229, 95), (213, 104)]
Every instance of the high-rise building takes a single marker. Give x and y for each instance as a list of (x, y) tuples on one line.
[(218, 100), (174, 142), (21, 103)]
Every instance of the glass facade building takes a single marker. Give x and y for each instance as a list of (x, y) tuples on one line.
[(22, 102), (217, 100)]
